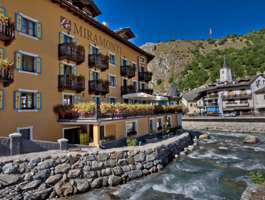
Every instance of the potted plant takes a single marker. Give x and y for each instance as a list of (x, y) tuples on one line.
[(131, 142), (81, 78), (6, 64), (103, 57), (80, 48), (72, 44), (166, 128), (100, 80), (72, 77), (132, 133), (106, 83)]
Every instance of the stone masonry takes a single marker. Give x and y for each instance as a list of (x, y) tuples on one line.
[(77, 172)]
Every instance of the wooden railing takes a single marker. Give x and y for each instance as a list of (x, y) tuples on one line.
[(65, 51), (96, 87), (127, 90), (66, 83), (94, 60), (7, 34), (127, 71), (6, 76), (145, 76)]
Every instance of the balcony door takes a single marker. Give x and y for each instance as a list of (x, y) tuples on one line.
[(67, 69), (95, 50), (125, 82), (95, 76)]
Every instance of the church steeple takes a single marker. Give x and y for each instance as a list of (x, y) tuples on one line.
[(225, 64), (225, 73)]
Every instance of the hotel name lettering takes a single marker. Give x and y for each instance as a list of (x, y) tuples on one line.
[(98, 40)]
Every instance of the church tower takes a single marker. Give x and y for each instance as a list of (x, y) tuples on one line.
[(225, 73)]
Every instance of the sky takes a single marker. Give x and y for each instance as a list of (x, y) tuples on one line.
[(153, 20)]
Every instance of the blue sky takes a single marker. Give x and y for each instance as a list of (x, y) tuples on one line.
[(153, 20)]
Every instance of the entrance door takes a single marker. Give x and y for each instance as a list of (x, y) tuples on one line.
[(25, 134), (72, 136)]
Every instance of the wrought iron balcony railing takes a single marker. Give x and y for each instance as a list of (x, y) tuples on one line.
[(66, 83), (6, 76), (95, 61), (66, 51)]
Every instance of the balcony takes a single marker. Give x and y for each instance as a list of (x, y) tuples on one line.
[(145, 76), (127, 71), (7, 34), (66, 83), (199, 105), (237, 104), (96, 87), (127, 89), (6, 76), (147, 91), (65, 51), (237, 96), (212, 96), (95, 61), (211, 104)]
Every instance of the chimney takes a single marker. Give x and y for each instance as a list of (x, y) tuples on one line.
[(105, 24)]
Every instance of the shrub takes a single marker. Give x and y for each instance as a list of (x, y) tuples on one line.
[(159, 81), (258, 178), (131, 142)]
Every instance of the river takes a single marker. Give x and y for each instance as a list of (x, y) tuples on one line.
[(206, 173)]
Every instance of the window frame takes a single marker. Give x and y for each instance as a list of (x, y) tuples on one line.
[(114, 55), (32, 55), (151, 119), (27, 99), (27, 63), (29, 91), (68, 94), (27, 27), (29, 19), (161, 123), (170, 121), (136, 126)]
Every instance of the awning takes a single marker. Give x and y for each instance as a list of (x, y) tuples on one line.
[(139, 96), (161, 98)]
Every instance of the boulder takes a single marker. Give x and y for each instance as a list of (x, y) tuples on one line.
[(182, 153), (150, 157), (102, 157), (46, 164), (140, 157), (97, 183), (153, 170), (74, 173), (130, 160), (204, 136), (90, 174), (145, 172), (106, 172), (251, 139), (122, 162), (211, 142), (112, 197), (82, 185), (116, 155), (63, 189), (223, 148), (54, 179), (114, 180), (73, 160), (135, 174), (160, 167), (117, 171), (9, 168), (62, 168), (42, 174), (29, 185), (190, 147), (259, 192), (91, 157), (97, 165)]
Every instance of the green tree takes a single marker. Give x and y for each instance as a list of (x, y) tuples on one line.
[(159, 81), (171, 79)]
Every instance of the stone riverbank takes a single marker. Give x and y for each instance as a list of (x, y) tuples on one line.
[(66, 174)]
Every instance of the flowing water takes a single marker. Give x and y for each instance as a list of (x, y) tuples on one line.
[(206, 173)]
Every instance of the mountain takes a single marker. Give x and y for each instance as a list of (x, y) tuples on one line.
[(192, 63)]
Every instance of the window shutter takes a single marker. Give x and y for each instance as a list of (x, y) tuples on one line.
[(61, 68), (108, 100), (127, 62), (144, 69), (94, 99), (140, 86), (19, 19), (37, 101), (76, 98), (38, 30), (2, 99), (140, 68), (109, 78), (18, 60), (121, 81), (61, 38), (79, 98), (38, 65), (2, 11), (116, 60), (101, 100), (136, 86), (116, 81), (2, 53), (100, 75), (90, 75), (131, 82), (136, 68), (115, 100), (17, 100), (108, 56), (90, 49), (121, 64), (74, 70), (75, 40)]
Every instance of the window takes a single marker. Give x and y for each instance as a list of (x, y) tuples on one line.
[(124, 62), (191, 105), (67, 69), (26, 132), (223, 72), (28, 27), (95, 50), (112, 81), (112, 100), (142, 59), (134, 65), (27, 100), (143, 85), (142, 68), (151, 124), (169, 120), (67, 38), (264, 97), (134, 83), (111, 59), (28, 63), (67, 99), (96, 75), (159, 124), (131, 128)]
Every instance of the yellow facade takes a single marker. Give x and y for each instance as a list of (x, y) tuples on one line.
[(44, 81), (191, 105)]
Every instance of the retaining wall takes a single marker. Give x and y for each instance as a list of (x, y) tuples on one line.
[(229, 124), (76, 172)]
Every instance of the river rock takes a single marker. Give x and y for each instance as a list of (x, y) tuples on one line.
[(130, 160), (232, 183), (6, 179), (74, 173), (102, 157), (106, 172), (114, 180), (112, 197), (54, 179), (140, 157), (27, 177), (204, 136), (63, 189), (97, 183), (223, 148), (122, 162), (117, 171), (110, 163), (190, 147), (150, 157), (9, 168), (91, 157), (207, 149), (153, 170), (182, 153), (82, 185), (145, 172), (211, 142), (251, 139), (132, 152), (135, 174), (116, 155), (73, 160), (42, 174), (160, 167), (97, 165), (62, 168), (46, 164), (139, 166), (90, 174), (29, 185)]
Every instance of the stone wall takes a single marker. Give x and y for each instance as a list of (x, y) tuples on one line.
[(70, 173), (4, 146), (235, 124)]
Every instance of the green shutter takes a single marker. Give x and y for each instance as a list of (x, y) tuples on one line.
[(38, 65), (18, 60), (2, 99), (17, 100), (61, 68), (38, 102), (90, 75)]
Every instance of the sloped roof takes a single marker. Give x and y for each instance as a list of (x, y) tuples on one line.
[(190, 96), (260, 91), (125, 32), (225, 64), (173, 90)]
